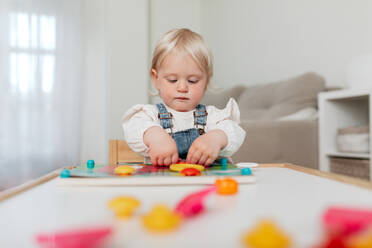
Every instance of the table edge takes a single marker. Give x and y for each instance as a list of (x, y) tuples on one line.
[(8, 193), (329, 175)]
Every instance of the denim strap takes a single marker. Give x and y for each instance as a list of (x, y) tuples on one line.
[(200, 115), (164, 116)]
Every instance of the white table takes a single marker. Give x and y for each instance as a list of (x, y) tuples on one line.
[(294, 199)]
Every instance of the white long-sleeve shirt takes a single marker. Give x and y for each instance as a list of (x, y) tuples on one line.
[(140, 117)]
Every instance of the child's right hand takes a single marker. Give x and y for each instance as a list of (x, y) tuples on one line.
[(162, 147)]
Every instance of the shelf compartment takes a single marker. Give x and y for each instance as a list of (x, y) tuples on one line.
[(351, 167)]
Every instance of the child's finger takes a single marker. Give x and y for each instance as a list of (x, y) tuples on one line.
[(209, 161), (160, 161), (167, 160), (213, 157), (203, 159), (153, 161), (195, 157), (175, 158), (189, 154)]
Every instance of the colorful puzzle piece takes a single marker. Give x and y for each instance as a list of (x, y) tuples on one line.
[(266, 234), (190, 172), (347, 228), (124, 170), (77, 238), (346, 221), (361, 240), (123, 206), (180, 167), (161, 219), (226, 186), (192, 204)]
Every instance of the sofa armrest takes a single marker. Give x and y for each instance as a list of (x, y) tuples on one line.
[(293, 142)]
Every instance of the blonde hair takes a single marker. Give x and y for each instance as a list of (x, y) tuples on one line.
[(184, 40)]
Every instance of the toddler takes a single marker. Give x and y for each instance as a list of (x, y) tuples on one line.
[(181, 127)]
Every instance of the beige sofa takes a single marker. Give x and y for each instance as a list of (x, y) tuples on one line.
[(280, 120)]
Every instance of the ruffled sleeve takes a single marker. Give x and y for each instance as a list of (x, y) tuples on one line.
[(227, 120), (135, 122)]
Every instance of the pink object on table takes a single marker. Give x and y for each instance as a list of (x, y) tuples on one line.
[(79, 238), (192, 204), (345, 221)]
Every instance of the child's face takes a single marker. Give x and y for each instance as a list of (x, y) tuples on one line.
[(180, 81)]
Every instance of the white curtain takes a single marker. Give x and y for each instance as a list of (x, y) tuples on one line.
[(40, 83)]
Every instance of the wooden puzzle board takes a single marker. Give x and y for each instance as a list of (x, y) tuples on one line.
[(149, 175)]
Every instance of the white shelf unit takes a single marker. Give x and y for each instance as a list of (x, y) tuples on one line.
[(339, 109)]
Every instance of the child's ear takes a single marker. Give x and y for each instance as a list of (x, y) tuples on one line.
[(154, 78)]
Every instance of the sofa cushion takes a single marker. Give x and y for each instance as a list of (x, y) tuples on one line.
[(220, 97), (274, 100), (303, 114), (264, 142)]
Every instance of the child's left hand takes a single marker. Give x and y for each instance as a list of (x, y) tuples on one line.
[(205, 149)]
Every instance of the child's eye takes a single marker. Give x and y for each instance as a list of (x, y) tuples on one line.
[(193, 81), (172, 80)]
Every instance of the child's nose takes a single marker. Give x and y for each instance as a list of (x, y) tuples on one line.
[(182, 86)]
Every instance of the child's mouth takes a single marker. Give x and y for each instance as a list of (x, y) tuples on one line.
[(182, 98)]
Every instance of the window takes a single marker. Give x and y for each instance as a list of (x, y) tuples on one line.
[(40, 80), (32, 43)]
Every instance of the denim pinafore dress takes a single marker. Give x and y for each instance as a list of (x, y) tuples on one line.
[(184, 138)]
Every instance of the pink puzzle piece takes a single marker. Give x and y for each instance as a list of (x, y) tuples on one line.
[(346, 220), (79, 238), (192, 204)]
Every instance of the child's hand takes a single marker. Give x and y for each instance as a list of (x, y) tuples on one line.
[(163, 149), (205, 149)]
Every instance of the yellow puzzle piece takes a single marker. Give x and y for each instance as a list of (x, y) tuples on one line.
[(363, 240), (266, 235), (161, 219), (124, 170), (124, 206), (179, 167)]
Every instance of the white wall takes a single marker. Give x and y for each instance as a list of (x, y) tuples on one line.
[(116, 75), (94, 88), (259, 41), (169, 14), (127, 59)]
